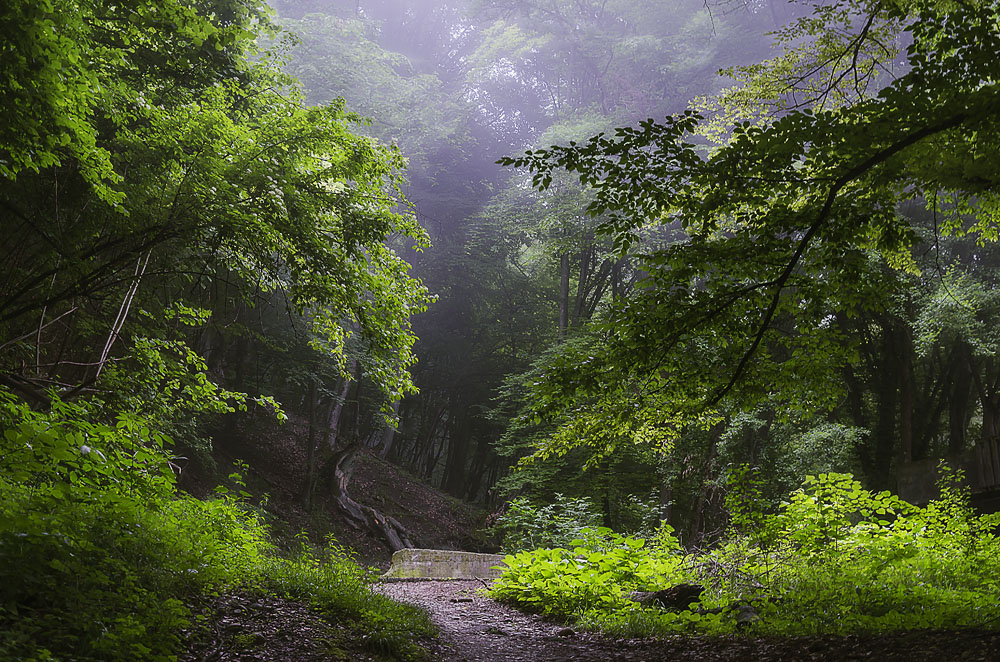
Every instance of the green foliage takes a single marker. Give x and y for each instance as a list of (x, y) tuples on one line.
[(839, 55), (208, 170), (67, 62), (65, 449), (836, 558), (597, 571), (524, 525), (100, 559), (777, 226), (335, 584), (104, 575), (768, 457)]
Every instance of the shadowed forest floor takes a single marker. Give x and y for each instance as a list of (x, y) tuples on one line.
[(475, 628)]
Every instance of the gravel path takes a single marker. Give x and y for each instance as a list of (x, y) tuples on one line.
[(475, 628)]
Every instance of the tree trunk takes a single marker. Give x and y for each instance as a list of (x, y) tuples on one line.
[(336, 409), (337, 474), (586, 258), (905, 348), (458, 451), (697, 529), (887, 391), (307, 488), (563, 295), (389, 433), (989, 398)]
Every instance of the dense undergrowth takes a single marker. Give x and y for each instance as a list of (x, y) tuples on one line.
[(101, 559), (834, 559)]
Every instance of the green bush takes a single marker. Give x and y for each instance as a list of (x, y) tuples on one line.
[(103, 576), (838, 558), (525, 526), (99, 558), (835, 559), (597, 573)]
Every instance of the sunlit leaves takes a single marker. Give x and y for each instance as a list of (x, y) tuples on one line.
[(836, 558), (211, 162), (68, 60)]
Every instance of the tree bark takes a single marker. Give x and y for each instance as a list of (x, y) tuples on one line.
[(958, 408), (458, 452), (905, 348), (582, 284), (563, 295), (697, 529), (887, 392), (337, 473), (307, 489), (389, 433)]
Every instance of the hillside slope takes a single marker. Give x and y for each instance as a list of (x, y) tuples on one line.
[(276, 455)]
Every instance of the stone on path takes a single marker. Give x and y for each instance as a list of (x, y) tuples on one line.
[(443, 564)]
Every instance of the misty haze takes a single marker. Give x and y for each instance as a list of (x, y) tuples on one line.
[(514, 330)]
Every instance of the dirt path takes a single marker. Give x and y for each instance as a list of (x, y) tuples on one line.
[(477, 629)]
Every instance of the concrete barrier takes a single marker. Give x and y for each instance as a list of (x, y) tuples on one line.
[(442, 564)]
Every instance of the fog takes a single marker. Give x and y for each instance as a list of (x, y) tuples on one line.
[(457, 85)]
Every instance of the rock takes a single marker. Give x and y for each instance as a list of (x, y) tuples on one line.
[(675, 598), (746, 616)]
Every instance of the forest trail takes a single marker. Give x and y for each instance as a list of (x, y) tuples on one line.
[(474, 628)]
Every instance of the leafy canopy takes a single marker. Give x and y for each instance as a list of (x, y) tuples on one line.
[(776, 223)]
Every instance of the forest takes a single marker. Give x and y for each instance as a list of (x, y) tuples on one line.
[(692, 307)]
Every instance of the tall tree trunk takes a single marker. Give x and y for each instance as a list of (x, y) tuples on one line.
[(458, 450), (697, 529), (958, 407), (988, 388), (430, 450), (563, 295), (307, 488), (579, 306), (905, 353), (336, 409), (479, 469), (434, 454), (887, 397), (616, 279), (666, 505), (389, 433)]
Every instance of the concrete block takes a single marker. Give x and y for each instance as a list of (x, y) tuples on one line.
[(443, 564)]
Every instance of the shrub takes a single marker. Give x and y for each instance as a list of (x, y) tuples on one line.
[(525, 526), (99, 558), (597, 573), (103, 576), (836, 558)]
